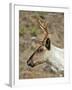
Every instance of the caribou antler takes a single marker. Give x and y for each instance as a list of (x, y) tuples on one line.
[(43, 27)]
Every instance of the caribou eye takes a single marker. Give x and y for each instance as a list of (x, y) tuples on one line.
[(47, 45)]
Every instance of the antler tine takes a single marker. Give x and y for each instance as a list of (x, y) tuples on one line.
[(43, 25)]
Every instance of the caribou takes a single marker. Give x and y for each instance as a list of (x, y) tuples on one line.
[(47, 52)]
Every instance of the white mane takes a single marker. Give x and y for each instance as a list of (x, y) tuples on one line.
[(56, 57)]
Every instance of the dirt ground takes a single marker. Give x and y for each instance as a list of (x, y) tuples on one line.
[(29, 30)]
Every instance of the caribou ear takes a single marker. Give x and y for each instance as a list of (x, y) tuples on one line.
[(48, 44)]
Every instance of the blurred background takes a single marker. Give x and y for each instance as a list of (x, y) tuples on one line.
[(30, 34)]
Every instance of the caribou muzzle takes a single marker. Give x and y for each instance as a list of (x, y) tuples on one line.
[(30, 63)]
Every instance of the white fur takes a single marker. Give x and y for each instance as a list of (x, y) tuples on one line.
[(56, 57)]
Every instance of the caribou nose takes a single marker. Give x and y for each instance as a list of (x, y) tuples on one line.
[(30, 63)]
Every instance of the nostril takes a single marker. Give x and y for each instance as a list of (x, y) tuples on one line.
[(30, 63), (27, 62)]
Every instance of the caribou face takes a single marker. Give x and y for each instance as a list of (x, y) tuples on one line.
[(38, 56)]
